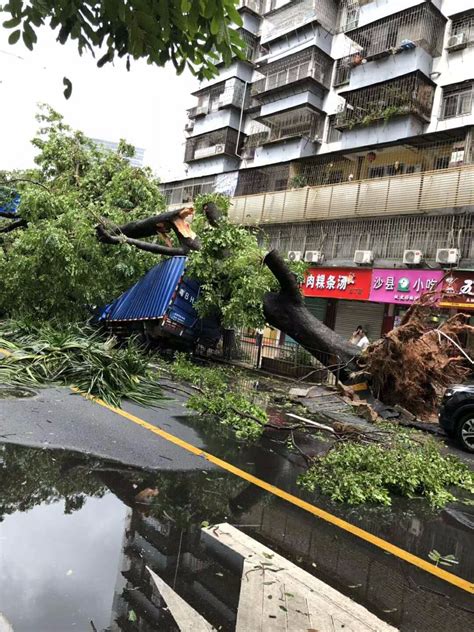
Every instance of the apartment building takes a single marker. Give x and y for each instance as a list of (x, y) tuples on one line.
[(345, 135)]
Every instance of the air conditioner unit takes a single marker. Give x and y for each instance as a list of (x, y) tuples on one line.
[(455, 42), (362, 257), (202, 110), (220, 149), (313, 256), (189, 126), (294, 255), (448, 256), (412, 257)]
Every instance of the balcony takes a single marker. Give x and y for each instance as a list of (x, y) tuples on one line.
[(221, 142), (298, 123), (297, 14), (397, 195), (229, 93), (295, 72), (409, 95), (422, 25), (254, 5)]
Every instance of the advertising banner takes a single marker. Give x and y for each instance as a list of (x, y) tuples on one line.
[(460, 285), (342, 283), (403, 287)]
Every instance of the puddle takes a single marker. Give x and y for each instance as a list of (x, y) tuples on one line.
[(15, 392), (77, 533)]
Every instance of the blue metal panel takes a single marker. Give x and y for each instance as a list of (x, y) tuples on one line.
[(10, 207), (150, 297)]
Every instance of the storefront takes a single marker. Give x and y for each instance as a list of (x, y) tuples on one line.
[(346, 292), (398, 289), (460, 286)]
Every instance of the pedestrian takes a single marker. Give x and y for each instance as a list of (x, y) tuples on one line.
[(357, 335), (364, 341)]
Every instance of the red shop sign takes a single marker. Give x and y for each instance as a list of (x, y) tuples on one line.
[(459, 286), (347, 283)]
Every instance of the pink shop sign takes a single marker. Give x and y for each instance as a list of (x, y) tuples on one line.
[(402, 287)]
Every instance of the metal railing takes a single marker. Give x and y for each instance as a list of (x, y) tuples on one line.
[(287, 359), (412, 94), (394, 195)]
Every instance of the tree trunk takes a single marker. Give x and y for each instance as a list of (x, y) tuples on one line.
[(286, 311)]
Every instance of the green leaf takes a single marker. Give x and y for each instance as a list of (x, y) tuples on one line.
[(14, 37), (9, 24), (68, 87)]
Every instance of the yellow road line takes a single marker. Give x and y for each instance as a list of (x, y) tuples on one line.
[(294, 500)]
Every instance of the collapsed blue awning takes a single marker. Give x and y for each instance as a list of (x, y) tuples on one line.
[(150, 297), (10, 207)]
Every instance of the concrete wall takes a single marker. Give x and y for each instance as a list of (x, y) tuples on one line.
[(284, 150), (251, 22), (210, 166), (391, 67), (228, 117), (292, 101), (395, 129), (378, 9)]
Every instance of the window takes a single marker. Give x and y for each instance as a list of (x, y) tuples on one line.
[(442, 162), (457, 101), (376, 172)]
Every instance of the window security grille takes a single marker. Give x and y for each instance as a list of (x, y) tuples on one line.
[(457, 101)]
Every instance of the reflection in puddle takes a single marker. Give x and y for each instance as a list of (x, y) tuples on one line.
[(77, 534)]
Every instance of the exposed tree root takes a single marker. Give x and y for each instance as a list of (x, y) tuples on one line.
[(414, 363)]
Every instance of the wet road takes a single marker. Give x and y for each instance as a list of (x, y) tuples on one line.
[(77, 532), (74, 530)]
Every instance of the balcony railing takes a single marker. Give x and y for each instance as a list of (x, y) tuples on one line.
[(212, 144), (412, 94), (395, 195), (301, 122), (421, 25), (296, 14), (308, 64)]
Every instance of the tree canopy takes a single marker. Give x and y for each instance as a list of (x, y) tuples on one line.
[(52, 265), (194, 34)]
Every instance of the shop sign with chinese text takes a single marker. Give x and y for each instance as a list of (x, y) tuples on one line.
[(459, 285), (352, 283), (403, 287)]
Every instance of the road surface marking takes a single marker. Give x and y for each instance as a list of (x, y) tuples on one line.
[(294, 500)]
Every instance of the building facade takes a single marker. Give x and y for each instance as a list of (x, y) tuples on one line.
[(346, 136)]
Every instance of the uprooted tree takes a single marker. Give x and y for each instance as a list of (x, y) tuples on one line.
[(410, 366), (54, 267)]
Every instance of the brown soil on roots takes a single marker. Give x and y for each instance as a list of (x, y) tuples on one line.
[(414, 363)]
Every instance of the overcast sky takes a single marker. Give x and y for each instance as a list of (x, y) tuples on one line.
[(146, 105)]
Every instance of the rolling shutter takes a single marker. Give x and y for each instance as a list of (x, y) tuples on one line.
[(317, 306), (352, 313)]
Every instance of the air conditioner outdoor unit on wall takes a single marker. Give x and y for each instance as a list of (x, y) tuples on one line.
[(455, 42), (313, 256), (363, 257), (412, 257), (448, 256), (220, 149), (294, 255), (202, 110)]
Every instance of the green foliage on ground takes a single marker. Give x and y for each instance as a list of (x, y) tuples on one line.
[(45, 356), (230, 268), (56, 268), (410, 465), (217, 401), (193, 34)]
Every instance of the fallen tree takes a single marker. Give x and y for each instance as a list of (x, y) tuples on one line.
[(414, 363), (409, 366)]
